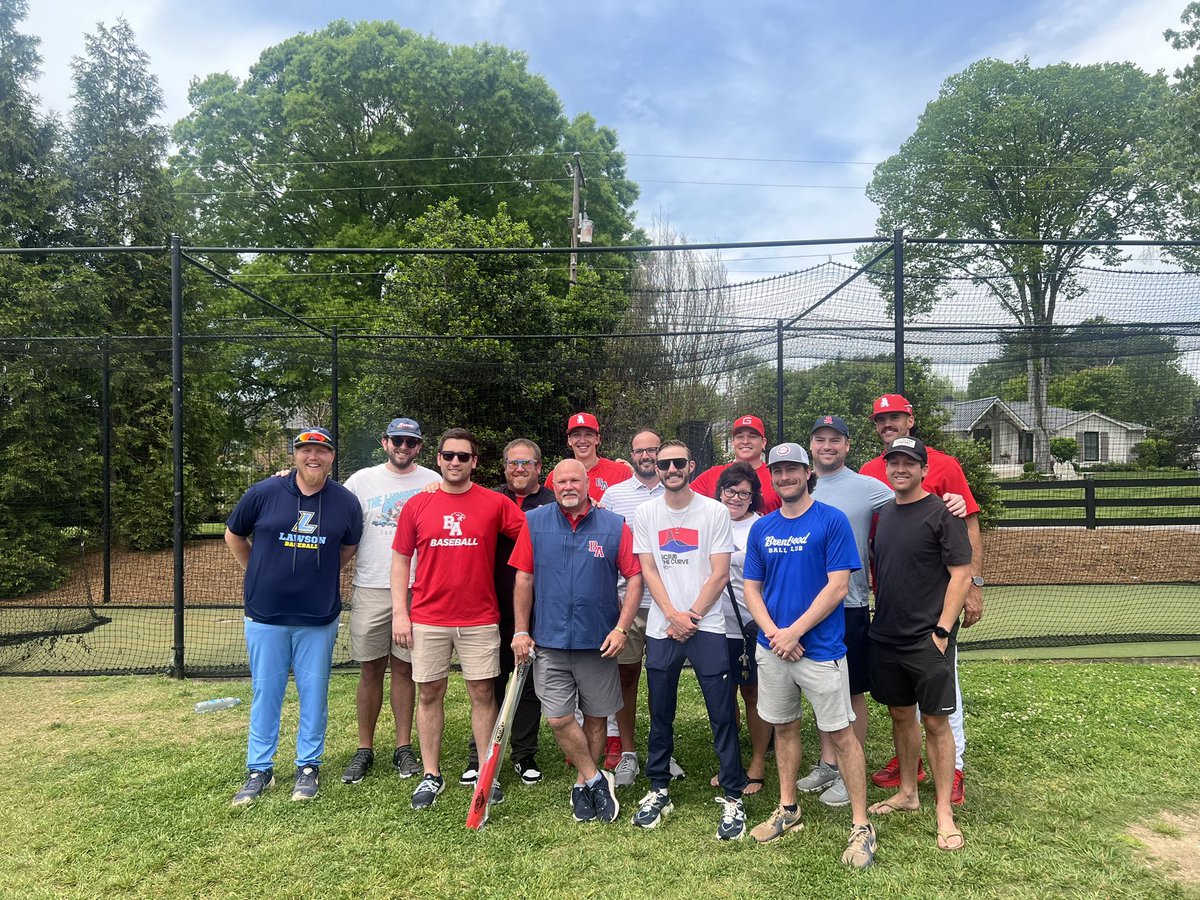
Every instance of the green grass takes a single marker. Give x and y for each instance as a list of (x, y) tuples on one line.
[(118, 788)]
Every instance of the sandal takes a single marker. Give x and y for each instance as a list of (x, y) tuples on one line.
[(945, 837), (888, 806), (755, 783)]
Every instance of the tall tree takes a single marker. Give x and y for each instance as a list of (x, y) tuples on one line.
[(1062, 152), (1182, 152)]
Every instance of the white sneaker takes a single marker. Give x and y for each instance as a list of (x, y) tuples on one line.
[(627, 770), (836, 794)]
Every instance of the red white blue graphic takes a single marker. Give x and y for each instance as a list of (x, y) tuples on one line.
[(678, 540)]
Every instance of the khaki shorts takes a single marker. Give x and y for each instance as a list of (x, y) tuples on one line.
[(825, 684), (635, 641), (477, 646), (371, 625)]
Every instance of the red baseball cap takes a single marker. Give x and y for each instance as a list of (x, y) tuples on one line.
[(583, 420), (889, 403), (749, 422)]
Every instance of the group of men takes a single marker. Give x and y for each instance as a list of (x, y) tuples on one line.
[(607, 566)]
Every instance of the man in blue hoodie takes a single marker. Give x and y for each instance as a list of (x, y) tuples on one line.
[(306, 527)]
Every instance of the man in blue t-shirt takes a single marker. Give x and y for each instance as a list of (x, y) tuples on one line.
[(797, 573), (306, 527)]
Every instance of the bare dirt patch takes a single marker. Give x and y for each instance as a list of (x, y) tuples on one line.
[(1172, 842), (1103, 556)]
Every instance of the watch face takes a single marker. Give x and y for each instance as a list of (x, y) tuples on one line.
[(977, 580)]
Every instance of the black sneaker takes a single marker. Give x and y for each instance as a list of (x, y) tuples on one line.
[(364, 758), (404, 761), (581, 804), (307, 784), (257, 784), (497, 793), (655, 807), (528, 769), (470, 774), (427, 791), (604, 798)]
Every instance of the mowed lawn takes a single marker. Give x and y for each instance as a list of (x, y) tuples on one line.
[(117, 788)]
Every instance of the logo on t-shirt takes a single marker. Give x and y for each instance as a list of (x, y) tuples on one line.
[(452, 525), (602, 484), (793, 543), (303, 534), (678, 540)]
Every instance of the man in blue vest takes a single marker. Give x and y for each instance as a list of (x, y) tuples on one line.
[(568, 556)]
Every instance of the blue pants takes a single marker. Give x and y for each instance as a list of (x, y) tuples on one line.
[(709, 657), (306, 650)]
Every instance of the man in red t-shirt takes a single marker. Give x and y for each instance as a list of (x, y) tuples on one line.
[(749, 442), (893, 418), (583, 437), (452, 607)]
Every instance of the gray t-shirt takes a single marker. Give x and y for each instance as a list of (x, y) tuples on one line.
[(859, 497)]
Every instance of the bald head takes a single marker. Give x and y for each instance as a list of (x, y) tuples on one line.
[(571, 486)]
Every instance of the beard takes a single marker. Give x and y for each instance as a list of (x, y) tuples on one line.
[(311, 478)]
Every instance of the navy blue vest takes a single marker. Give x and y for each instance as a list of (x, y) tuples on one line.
[(574, 577)]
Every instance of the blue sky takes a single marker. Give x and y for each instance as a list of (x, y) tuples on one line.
[(744, 121)]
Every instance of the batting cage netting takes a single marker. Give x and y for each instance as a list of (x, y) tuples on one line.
[(1073, 412)]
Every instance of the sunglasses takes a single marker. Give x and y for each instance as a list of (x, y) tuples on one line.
[(406, 442), (737, 495), (675, 462), (312, 437), (462, 456)]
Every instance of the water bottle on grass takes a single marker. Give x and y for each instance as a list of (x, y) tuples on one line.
[(220, 703)]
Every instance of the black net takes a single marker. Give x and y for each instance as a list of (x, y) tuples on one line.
[(1087, 483)]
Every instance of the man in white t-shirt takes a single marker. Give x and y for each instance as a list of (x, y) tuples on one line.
[(684, 542), (382, 491)]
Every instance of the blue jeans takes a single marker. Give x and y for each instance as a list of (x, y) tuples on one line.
[(709, 657), (307, 650)]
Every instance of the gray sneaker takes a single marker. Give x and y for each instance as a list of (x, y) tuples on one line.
[(404, 761), (257, 784), (627, 770), (836, 794), (821, 777), (860, 849), (364, 758), (780, 823), (677, 773), (307, 785)]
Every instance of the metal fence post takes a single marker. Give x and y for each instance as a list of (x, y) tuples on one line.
[(898, 303), (779, 381), (177, 665), (333, 396), (106, 467)]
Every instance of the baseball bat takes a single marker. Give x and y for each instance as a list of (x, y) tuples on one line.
[(481, 800)]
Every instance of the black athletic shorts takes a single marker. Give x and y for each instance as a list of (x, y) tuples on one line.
[(858, 624), (914, 674)]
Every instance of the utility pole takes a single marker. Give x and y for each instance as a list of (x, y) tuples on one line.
[(575, 170)]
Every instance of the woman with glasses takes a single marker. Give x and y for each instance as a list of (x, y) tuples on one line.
[(738, 488)]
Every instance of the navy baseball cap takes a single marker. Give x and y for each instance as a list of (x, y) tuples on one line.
[(909, 446), (837, 423), (314, 436), (404, 428)]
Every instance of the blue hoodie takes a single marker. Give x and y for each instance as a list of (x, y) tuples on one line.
[(295, 555)]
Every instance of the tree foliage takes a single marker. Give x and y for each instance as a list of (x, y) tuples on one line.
[(1007, 150)]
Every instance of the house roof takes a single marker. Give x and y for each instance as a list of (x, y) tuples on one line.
[(966, 414)]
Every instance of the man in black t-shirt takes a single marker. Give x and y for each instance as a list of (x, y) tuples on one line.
[(923, 573)]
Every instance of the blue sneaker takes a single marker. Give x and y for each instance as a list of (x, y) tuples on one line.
[(732, 824), (257, 784), (604, 798), (655, 807), (307, 785), (427, 791), (581, 804)]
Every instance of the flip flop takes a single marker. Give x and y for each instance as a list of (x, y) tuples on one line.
[(755, 783), (887, 807), (945, 837)]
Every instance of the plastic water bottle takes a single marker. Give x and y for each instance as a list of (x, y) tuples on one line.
[(220, 703)]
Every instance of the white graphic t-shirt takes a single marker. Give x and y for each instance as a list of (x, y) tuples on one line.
[(682, 542), (382, 494)]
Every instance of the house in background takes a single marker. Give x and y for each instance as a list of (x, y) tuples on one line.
[(1008, 428)]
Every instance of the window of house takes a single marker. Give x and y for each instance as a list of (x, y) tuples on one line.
[(1091, 446), (1025, 453)]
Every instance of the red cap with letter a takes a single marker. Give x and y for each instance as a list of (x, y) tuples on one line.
[(753, 422), (890, 403), (583, 420)]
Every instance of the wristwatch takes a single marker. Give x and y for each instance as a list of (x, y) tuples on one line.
[(978, 581), (941, 632)]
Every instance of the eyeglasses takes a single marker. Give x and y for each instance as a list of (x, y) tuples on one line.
[(675, 462), (519, 463), (312, 437), (406, 442), (643, 451), (734, 494), (462, 456)]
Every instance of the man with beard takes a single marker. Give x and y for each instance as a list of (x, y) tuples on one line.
[(453, 608), (572, 554), (749, 442), (382, 492), (306, 527), (684, 542)]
